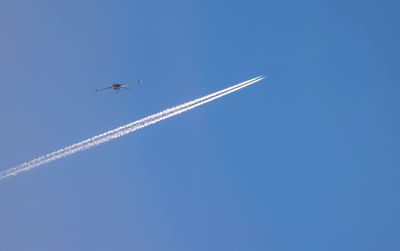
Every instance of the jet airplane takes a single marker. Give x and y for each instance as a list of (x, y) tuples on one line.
[(118, 87)]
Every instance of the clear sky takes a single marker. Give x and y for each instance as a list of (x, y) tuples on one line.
[(307, 160)]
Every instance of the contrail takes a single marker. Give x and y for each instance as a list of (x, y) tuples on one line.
[(140, 121), (123, 130)]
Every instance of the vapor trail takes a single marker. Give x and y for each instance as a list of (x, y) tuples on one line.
[(123, 130), (137, 122)]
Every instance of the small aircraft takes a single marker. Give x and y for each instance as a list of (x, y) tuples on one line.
[(118, 87)]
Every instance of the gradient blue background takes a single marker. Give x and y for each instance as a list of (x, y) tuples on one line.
[(308, 160)]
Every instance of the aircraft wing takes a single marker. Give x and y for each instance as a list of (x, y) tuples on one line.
[(129, 83), (103, 89)]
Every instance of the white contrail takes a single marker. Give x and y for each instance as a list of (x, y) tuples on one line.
[(138, 121), (123, 130)]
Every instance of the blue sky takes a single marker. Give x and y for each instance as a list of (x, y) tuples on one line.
[(308, 160)]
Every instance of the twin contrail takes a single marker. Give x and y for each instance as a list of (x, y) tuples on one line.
[(123, 130)]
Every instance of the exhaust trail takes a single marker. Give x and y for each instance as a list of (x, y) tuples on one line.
[(123, 130), (170, 110)]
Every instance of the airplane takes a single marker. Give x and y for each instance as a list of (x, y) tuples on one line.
[(118, 87)]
